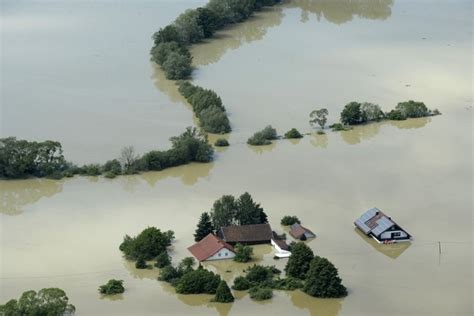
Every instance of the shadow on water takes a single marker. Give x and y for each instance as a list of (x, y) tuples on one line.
[(263, 149), (343, 11), (16, 194), (368, 131), (316, 306), (392, 251), (319, 140)]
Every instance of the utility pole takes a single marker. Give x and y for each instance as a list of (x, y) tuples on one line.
[(439, 247)]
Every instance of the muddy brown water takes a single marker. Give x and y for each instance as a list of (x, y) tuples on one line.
[(96, 91)]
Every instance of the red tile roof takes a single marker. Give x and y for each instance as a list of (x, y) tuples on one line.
[(208, 246)]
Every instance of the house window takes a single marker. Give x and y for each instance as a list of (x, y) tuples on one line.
[(396, 234), (220, 254), (226, 254)]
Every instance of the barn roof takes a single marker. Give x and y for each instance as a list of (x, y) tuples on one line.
[(298, 230), (208, 246), (246, 233), (374, 221)]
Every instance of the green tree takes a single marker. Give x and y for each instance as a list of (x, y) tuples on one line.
[(352, 114), (322, 279), (199, 281), (412, 109), (167, 34), (188, 27), (248, 212), (112, 166), (186, 265), (241, 283), (177, 66), (207, 20), (260, 293), (112, 287), (161, 52), (204, 227), (371, 111), (169, 274), (319, 117), (223, 212), (148, 244), (163, 260), (243, 253), (46, 302), (223, 293), (289, 220), (221, 142), (293, 133), (141, 263), (298, 263)]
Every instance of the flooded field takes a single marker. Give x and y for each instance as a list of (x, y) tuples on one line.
[(80, 73)]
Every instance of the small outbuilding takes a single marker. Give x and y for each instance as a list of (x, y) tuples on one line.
[(381, 227), (212, 248), (300, 232), (246, 234), (281, 248)]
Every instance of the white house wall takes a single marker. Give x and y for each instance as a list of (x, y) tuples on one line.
[(224, 253), (388, 234)]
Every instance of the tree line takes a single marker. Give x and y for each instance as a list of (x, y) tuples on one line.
[(171, 52), (23, 159)]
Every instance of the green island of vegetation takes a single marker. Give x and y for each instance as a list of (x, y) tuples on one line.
[(21, 159), (112, 287), (45, 302)]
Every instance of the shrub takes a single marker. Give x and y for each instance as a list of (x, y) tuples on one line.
[(112, 287), (339, 127), (241, 284), (320, 132), (322, 280), (293, 133), (112, 166), (141, 263), (56, 175), (110, 175), (435, 112), (162, 260), (160, 53), (287, 284), (168, 274), (92, 170), (177, 66), (289, 220), (221, 142), (260, 293), (298, 262), (258, 274), (396, 115), (243, 253), (214, 120), (147, 245), (199, 281), (263, 137), (223, 294)]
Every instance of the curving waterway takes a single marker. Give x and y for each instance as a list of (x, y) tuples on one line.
[(79, 72)]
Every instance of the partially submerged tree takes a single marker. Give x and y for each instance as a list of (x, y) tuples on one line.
[(322, 279), (289, 220), (147, 245), (298, 263), (46, 302), (163, 260), (249, 212), (129, 158), (223, 293), (243, 253), (223, 212), (352, 114), (318, 117), (112, 287)]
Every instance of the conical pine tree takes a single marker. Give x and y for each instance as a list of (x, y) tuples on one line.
[(204, 227), (223, 293)]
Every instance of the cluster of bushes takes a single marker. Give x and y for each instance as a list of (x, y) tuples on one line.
[(358, 113), (21, 158), (150, 244), (263, 137), (45, 302), (187, 280), (320, 276), (289, 220), (112, 287), (207, 106), (293, 133), (221, 142), (260, 280)]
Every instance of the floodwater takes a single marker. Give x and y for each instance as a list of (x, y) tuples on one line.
[(79, 72)]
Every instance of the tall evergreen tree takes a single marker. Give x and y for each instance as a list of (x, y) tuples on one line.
[(248, 212), (223, 293), (322, 279), (204, 227), (298, 263)]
